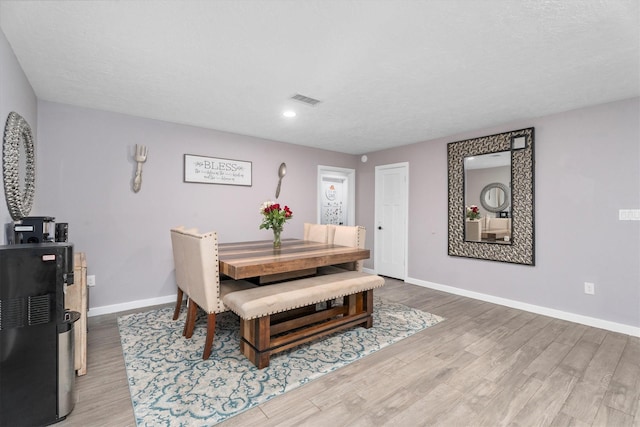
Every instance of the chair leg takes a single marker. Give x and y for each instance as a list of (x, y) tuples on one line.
[(176, 311), (192, 313), (211, 330), (186, 320)]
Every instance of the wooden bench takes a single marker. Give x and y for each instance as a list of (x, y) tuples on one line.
[(277, 317)]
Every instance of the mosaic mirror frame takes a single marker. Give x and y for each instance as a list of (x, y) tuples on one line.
[(522, 248)]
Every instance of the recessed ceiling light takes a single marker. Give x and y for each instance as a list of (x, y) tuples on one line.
[(289, 113)]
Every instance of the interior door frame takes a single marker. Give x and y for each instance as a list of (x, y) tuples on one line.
[(405, 202), (351, 199)]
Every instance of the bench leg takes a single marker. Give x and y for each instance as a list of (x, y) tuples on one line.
[(367, 300), (361, 302), (255, 340)]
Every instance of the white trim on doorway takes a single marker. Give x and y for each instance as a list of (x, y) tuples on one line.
[(337, 172)]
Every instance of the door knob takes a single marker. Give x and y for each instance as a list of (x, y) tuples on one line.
[(379, 227)]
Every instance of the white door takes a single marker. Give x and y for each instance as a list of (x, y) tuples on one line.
[(336, 195), (391, 220)]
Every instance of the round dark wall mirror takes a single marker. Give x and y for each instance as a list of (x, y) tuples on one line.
[(18, 166)]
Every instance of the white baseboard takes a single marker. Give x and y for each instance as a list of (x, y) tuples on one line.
[(545, 311), (131, 305)]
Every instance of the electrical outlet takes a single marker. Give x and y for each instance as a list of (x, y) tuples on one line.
[(629, 214), (91, 280), (589, 288)]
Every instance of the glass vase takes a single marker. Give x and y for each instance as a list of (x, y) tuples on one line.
[(276, 238)]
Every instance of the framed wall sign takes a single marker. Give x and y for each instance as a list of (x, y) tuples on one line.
[(211, 170)]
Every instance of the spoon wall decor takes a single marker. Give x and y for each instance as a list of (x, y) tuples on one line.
[(282, 171)]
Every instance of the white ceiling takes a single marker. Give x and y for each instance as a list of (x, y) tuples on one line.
[(388, 72)]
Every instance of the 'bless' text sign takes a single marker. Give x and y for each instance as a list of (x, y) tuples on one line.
[(211, 170)]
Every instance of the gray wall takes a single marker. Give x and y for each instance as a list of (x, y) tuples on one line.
[(587, 168), (87, 162), (16, 95)]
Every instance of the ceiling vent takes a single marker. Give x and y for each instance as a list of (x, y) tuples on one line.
[(305, 99)]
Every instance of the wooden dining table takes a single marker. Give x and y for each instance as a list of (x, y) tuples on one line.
[(261, 262)]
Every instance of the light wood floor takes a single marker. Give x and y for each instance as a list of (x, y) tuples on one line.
[(486, 365)]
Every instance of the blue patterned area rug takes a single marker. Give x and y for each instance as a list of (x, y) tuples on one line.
[(171, 385)]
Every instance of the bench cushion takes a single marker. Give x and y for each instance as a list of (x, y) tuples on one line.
[(279, 297)]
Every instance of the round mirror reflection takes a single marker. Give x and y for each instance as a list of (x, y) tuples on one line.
[(495, 197)]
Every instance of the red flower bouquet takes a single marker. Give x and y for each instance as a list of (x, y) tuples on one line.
[(274, 217)]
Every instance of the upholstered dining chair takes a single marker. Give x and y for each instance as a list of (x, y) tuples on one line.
[(316, 232), (353, 236), (197, 266), (344, 235), (181, 282)]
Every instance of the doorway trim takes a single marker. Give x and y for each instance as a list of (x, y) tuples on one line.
[(350, 174)]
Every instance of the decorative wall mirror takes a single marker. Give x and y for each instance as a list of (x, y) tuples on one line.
[(495, 175), (18, 165)]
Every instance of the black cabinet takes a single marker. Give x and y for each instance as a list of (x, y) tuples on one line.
[(36, 334)]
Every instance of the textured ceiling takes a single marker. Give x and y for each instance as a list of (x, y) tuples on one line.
[(388, 73)]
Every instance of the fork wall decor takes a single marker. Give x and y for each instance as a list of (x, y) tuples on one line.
[(140, 157)]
